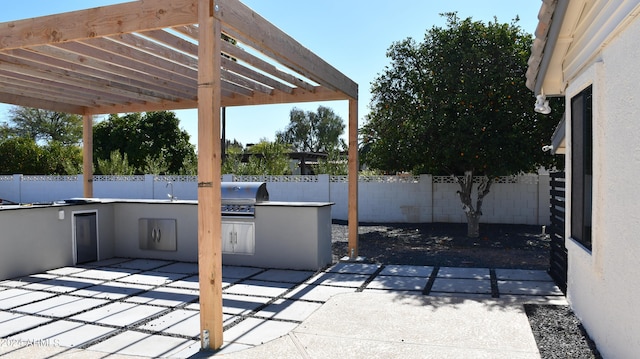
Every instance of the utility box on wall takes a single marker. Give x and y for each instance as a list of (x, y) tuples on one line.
[(157, 234)]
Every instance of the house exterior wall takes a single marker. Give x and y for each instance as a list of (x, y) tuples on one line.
[(603, 285)]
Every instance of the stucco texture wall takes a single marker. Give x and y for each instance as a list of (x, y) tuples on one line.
[(604, 289)]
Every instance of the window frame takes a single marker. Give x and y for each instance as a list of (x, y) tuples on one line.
[(582, 167)]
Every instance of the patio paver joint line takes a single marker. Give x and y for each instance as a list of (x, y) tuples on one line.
[(432, 279), (495, 291)]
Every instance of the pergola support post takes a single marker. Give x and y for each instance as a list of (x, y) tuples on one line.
[(209, 174), (87, 156), (353, 179)]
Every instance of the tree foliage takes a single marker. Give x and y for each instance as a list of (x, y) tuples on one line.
[(22, 155), (457, 104), (152, 140), (334, 164), (309, 131), (263, 158), (116, 164), (45, 125)]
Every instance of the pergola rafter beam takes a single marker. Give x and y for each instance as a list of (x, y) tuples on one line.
[(98, 22), (268, 39)]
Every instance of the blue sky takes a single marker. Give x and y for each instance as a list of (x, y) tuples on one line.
[(351, 35)]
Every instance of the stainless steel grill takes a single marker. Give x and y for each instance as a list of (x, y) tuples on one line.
[(239, 198)]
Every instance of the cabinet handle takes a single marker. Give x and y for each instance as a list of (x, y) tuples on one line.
[(156, 234)]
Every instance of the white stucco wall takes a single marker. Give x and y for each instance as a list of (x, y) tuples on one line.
[(603, 285)]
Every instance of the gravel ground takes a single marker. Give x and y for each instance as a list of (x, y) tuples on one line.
[(558, 333)]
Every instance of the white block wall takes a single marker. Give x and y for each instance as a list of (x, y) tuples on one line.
[(384, 199)]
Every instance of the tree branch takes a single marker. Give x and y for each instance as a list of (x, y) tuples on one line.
[(483, 189)]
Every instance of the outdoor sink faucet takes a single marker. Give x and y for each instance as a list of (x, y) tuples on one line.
[(170, 195)]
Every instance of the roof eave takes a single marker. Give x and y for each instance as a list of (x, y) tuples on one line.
[(550, 18)]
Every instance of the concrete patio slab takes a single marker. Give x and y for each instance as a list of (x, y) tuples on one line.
[(320, 293), (522, 274), (351, 323), (181, 322), (119, 314), (152, 278), (192, 282), (407, 271), (281, 275), (456, 285), (103, 273), (242, 304), (398, 283), (63, 284), (22, 281), (61, 306), (165, 296), (142, 264), (113, 290), (284, 309), (261, 288), (339, 279), (148, 345), (14, 322), (65, 333), (461, 295), (466, 273), (65, 271), (528, 287), (15, 297), (257, 331), (356, 268), (184, 268), (105, 262), (240, 272)]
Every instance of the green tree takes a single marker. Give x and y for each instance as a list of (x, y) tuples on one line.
[(5, 131), (21, 155), (61, 159), (45, 125), (334, 164), (263, 158), (24, 156), (272, 156), (456, 104), (144, 137), (117, 164), (313, 131)]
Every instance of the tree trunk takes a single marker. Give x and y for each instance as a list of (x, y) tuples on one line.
[(473, 213), (473, 225)]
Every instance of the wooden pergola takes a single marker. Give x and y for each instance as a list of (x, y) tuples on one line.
[(168, 55)]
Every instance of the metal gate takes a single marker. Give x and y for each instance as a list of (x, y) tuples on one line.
[(558, 255)]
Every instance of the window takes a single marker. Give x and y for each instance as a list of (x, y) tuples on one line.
[(581, 166)]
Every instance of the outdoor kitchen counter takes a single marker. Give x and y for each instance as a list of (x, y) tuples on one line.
[(294, 204), (287, 235)]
